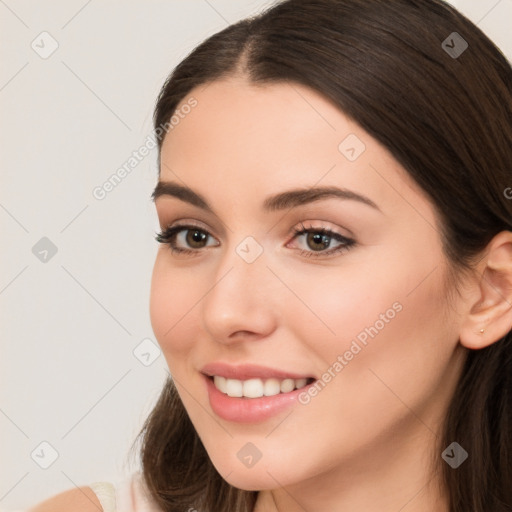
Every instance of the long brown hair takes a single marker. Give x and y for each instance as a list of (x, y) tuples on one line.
[(445, 114)]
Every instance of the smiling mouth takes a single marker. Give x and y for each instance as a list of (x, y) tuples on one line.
[(257, 388)]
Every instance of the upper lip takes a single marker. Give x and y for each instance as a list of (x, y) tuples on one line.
[(248, 371)]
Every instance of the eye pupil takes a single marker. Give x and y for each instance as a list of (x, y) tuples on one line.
[(318, 238), (196, 237)]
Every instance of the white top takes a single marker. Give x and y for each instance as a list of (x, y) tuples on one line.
[(129, 495)]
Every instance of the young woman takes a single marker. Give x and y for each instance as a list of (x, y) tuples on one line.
[(333, 292)]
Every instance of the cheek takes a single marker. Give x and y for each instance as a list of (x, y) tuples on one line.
[(337, 305), (392, 348), (173, 296), (381, 314)]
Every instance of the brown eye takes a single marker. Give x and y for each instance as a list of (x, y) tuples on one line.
[(186, 239), (318, 241), (196, 238), (315, 241)]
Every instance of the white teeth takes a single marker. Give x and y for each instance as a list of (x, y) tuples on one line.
[(253, 388), (220, 383), (300, 383), (287, 385), (234, 387), (256, 388), (271, 387)]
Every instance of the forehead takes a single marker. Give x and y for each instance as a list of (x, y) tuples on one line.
[(263, 138), (234, 115)]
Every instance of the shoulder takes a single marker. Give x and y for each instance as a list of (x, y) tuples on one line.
[(81, 499)]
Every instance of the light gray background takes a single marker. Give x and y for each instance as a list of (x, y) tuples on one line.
[(70, 325)]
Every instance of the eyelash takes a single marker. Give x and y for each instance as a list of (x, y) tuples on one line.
[(167, 236)]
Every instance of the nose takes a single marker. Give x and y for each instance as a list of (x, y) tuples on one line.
[(241, 303)]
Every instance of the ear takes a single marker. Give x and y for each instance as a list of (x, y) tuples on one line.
[(492, 309)]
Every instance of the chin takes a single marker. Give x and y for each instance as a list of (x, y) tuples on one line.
[(251, 479), (263, 475)]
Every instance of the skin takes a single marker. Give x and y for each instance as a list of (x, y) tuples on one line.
[(366, 440), (82, 499)]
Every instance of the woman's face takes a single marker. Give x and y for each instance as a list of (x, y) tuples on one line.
[(355, 316)]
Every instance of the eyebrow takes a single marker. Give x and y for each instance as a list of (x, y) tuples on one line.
[(281, 201)]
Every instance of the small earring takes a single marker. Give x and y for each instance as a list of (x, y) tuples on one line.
[(482, 331)]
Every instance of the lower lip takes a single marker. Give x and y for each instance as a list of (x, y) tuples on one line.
[(249, 410)]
